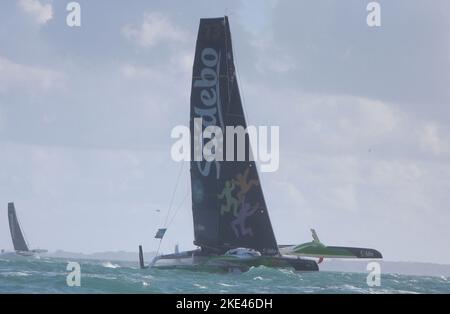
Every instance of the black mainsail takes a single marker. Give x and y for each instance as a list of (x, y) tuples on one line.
[(16, 232), (231, 221), (228, 204)]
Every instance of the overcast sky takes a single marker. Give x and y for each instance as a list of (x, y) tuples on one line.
[(364, 116)]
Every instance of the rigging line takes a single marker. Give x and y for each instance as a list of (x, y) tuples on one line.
[(159, 246), (170, 206), (173, 217), (236, 73), (240, 83), (178, 208), (173, 194), (227, 54), (241, 91)]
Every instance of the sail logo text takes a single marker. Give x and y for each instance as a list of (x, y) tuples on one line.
[(208, 127), (208, 106), (235, 147)]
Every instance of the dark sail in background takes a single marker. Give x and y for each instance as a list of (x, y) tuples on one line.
[(16, 233), (228, 204)]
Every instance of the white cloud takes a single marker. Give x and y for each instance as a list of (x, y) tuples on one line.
[(341, 124), (393, 172), (359, 163), (130, 71), (155, 28), (271, 57), (183, 61), (67, 184), (14, 75), (289, 191), (344, 197), (2, 121), (432, 140), (181, 66), (41, 13), (351, 162)]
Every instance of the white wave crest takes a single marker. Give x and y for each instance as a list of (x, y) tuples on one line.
[(110, 265)]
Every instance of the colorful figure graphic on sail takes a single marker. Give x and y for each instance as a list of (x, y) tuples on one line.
[(231, 202), (238, 224), (244, 184), (240, 209)]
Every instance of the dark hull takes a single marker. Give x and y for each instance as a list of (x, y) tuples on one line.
[(196, 260)]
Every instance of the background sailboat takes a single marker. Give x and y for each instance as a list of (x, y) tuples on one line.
[(21, 246)]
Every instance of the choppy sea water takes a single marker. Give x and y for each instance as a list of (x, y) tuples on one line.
[(48, 275)]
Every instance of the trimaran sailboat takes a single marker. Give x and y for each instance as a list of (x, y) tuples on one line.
[(20, 244), (231, 221)]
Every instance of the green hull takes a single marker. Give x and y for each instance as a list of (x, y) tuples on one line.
[(319, 250)]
